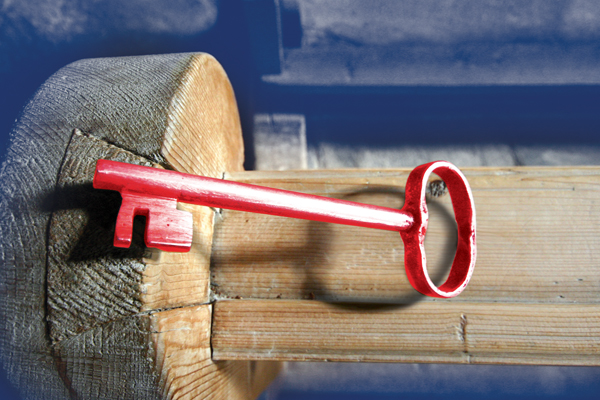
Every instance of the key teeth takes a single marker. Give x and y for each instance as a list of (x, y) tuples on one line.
[(167, 228), (124, 226)]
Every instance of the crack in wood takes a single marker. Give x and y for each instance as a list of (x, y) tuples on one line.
[(146, 313), (79, 132), (462, 335)]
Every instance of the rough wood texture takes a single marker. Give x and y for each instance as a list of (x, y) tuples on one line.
[(89, 281), (75, 312), (112, 360), (162, 355), (203, 136), (532, 298), (279, 141), (442, 43)]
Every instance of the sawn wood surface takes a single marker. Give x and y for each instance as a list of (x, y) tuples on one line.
[(533, 298)]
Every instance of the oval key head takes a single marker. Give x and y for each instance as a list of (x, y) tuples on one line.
[(414, 237)]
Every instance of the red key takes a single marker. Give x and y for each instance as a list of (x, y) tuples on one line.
[(154, 193)]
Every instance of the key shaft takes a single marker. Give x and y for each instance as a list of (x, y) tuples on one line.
[(219, 193)]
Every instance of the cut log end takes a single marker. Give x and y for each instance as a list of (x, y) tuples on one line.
[(75, 308)]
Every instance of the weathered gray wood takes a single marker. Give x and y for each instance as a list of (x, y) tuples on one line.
[(79, 318), (122, 345), (80, 249), (442, 42), (99, 97), (279, 141)]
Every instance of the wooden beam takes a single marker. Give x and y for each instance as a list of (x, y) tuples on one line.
[(533, 297), (457, 332), (537, 240)]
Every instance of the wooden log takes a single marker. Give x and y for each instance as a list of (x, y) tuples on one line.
[(532, 298), (80, 318)]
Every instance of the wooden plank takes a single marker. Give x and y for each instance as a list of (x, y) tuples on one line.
[(537, 240), (279, 141), (458, 332), (533, 298)]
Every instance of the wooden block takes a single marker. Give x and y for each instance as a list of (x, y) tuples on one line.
[(182, 339)]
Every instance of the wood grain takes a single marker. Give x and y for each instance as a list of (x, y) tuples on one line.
[(203, 136), (90, 282), (95, 96), (537, 231), (457, 332), (533, 298), (182, 340), (83, 294), (80, 318)]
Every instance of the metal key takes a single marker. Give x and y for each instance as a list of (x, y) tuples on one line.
[(154, 193)]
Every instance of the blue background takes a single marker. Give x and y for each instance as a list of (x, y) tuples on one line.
[(39, 37)]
